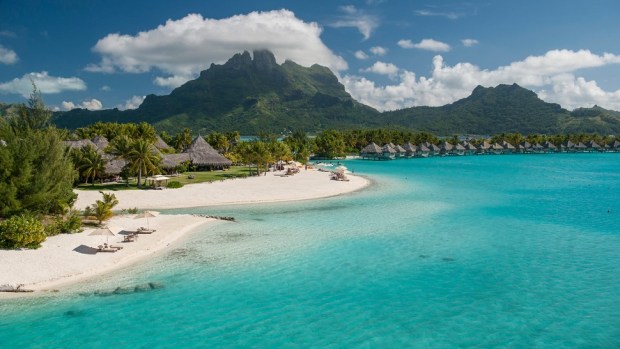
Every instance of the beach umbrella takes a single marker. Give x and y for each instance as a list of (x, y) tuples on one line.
[(147, 214), (104, 231)]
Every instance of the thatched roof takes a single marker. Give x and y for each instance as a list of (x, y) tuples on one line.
[(525, 145), (568, 144), (433, 147), (371, 148), (616, 144), (100, 142), (459, 147), (423, 148), (484, 146), (580, 146), (409, 147), (507, 145), (79, 144), (400, 149), (160, 144), (202, 153), (387, 149), (537, 146), (446, 146), (469, 146), (392, 145), (114, 166), (593, 145), (497, 146), (173, 160), (549, 145)]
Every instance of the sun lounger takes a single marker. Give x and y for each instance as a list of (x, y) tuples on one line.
[(116, 247), (106, 249)]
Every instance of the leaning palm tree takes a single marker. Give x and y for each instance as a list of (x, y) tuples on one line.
[(92, 164), (142, 158)]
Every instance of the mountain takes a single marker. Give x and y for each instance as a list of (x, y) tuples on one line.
[(245, 94), (253, 94)]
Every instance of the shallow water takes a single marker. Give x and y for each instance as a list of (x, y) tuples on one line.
[(514, 251)]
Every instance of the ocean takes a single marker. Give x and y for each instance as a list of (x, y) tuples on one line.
[(519, 251)]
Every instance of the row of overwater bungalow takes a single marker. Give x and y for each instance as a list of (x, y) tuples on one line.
[(426, 149), (200, 154)]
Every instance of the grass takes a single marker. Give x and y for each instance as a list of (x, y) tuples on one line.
[(198, 177)]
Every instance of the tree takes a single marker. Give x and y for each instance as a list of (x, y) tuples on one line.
[(183, 139), (36, 172), (92, 164), (330, 144), (142, 158)]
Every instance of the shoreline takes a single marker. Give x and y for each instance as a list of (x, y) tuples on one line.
[(68, 259)]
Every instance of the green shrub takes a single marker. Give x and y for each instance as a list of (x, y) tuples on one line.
[(175, 185), (21, 231)]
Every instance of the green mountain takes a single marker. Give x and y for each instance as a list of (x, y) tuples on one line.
[(248, 95), (256, 94)]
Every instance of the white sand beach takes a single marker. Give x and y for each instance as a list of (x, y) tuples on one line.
[(67, 259), (307, 184)]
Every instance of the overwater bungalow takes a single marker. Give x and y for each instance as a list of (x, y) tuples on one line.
[(388, 152), (400, 151), (434, 150), (484, 148), (203, 156), (445, 148), (593, 146), (508, 148), (537, 148), (580, 147), (459, 149), (371, 151), (410, 149), (549, 147), (470, 149), (497, 149), (524, 147), (615, 146), (568, 146), (423, 151)]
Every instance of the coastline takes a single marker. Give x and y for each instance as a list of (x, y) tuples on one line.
[(68, 259)]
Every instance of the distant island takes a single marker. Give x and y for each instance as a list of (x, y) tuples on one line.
[(253, 94)]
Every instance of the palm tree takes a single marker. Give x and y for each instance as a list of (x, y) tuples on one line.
[(92, 164), (102, 211), (142, 158)]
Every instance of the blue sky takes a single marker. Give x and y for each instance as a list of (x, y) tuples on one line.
[(388, 54)]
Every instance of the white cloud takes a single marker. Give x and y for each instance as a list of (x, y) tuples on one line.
[(382, 68), (182, 48), (551, 75), (132, 103), (7, 56), (171, 81), (426, 44), (8, 34), (378, 50), (105, 88), (356, 18), (449, 15), (361, 54), (469, 42), (93, 104), (406, 43), (46, 84)]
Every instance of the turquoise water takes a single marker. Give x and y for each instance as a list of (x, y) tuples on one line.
[(517, 251)]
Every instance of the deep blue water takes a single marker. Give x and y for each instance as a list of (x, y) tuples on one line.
[(518, 251)]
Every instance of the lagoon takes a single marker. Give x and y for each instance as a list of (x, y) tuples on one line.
[(474, 251)]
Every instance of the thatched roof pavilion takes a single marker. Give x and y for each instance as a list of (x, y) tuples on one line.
[(446, 147), (508, 146), (409, 148), (160, 144), (371, 149), (170, 161), (114, 166), (387, 149), (593, 145), (400, 149), (202, 154), (615, 145), (100, 142), (580, 146), (79, 144), (549, 146)]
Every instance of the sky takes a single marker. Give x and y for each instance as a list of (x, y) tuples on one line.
[(388, 54)]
